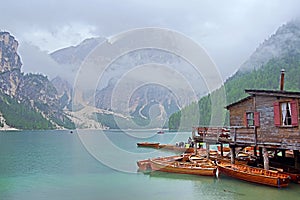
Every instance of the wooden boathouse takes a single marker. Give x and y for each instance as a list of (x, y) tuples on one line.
[(267, 120)]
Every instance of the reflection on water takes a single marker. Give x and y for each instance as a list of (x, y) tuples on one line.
[(55, 165)]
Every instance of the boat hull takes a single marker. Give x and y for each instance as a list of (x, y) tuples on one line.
[(290, 171), (145, 165), (294, 177), (254, 175), (176, 148), (182, 168), (148, 144)]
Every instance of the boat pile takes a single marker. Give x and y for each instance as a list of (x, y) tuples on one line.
[(184, 164), (169, 147), (253, 174), (199, 165)]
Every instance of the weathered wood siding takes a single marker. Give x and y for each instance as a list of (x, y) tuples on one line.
[(242, 135), (267, 132), (236, 112)]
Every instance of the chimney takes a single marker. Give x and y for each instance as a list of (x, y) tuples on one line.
[(282, 80)]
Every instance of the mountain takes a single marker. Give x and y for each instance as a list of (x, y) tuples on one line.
[(27, 101), (148, 102), (74, 55), (284, 41), (64, 92), (260, 71), (10, 66)]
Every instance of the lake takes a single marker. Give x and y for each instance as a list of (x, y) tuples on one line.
[(102, 165)]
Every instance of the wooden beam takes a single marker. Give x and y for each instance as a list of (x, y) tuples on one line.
[(207, 150), (260, 155), (234, 136), (296, 157), (255, 135), (232, 152), (283, 153), (275, 154), (266, 158), (221, 147), (255, 151)]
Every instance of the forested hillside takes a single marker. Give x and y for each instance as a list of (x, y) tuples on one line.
[(266, 77), (21, 116), (27, 101), (261, 71)]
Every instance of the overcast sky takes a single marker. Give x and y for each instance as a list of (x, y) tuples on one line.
[(229, 30)]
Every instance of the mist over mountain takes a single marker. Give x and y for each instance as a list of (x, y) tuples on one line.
[(130, 68), (260, 71), (74, 55), (51, 102), (284, 41), (27, 101), (282, 44)]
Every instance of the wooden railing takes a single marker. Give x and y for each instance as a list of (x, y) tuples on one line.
[(232, 135), (211, 134)]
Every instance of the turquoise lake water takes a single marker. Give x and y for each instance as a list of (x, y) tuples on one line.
[(102, 165)]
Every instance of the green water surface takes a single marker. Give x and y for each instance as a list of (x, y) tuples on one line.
[(57, 165)]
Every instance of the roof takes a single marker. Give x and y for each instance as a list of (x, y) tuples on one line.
[(276, 93), (239, 101)]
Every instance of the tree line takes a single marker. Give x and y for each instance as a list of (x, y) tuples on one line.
[(266, 77)]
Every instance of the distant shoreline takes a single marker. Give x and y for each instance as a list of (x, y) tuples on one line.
[(9, 129)]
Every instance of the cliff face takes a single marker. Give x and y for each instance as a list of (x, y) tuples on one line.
[(9, 58), (10, 64), (33, 91), (64, 91), (148, 98)]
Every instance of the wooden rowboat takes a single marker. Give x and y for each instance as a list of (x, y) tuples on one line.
[(295, 176), (204, 169), (148, 144), (144, 165), (290, 171), (253, 174), (175, 148)]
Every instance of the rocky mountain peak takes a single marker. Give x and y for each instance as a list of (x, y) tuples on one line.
[(9, 59), (10, 64), (31, 92), (285, 40), (74, 55)]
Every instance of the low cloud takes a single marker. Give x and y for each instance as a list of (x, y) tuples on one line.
[(229, 30), (37, 61)]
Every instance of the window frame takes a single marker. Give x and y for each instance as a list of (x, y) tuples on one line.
[(292, 107), (288, 113), (250, 118)]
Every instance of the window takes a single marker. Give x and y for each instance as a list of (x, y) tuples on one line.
[(286, 113), (251, 118), (286, 118)]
